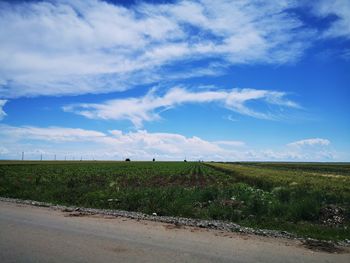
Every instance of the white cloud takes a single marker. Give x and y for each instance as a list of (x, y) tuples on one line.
[(142, 145), (91, 46), (2, 112), (112, 145), (341, 9), (147, 108), (310, 142), (311, 149)]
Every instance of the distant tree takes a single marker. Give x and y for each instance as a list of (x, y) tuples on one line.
[(153, 160), (127, 160), (185, 161)]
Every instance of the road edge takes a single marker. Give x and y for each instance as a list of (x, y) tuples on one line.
[(181, 221)]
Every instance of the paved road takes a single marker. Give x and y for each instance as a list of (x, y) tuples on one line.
[(33, 234)]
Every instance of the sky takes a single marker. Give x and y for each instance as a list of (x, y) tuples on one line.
[(172, 80)]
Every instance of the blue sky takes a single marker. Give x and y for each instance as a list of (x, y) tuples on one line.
[(212, 80)]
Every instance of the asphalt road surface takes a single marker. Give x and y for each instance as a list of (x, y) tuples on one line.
[(35, 234)]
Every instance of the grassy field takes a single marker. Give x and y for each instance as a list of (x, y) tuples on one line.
[(281, 196)]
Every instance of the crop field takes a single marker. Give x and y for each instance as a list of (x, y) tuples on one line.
[(308, 199)]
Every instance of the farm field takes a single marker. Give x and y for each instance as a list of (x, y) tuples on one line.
[(308, 199)]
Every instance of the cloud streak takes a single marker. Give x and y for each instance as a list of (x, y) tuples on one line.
[(2, 112), (147, 108), (58, 134), (91, 46), (310, 142)]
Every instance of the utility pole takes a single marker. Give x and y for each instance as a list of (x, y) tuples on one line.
[(55, 157), (65, 158), (22, 156)]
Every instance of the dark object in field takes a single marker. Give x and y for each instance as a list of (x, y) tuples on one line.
[(153, 160), (127, 160), (332, 215), (185, 161)]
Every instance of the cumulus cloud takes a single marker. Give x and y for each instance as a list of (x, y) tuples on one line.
[(2, 112), (311, 149), (114, 144), (142, 145), (147, 108), (310, 142), (92, 46)]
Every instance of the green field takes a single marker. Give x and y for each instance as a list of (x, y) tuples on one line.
[(281, 196)]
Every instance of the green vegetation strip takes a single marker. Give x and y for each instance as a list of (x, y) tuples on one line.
[(292, 200)]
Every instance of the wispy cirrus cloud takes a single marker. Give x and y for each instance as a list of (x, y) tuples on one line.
[(92, 46), (147, 108)]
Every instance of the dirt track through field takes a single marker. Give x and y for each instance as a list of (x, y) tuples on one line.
[(35, 234)]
